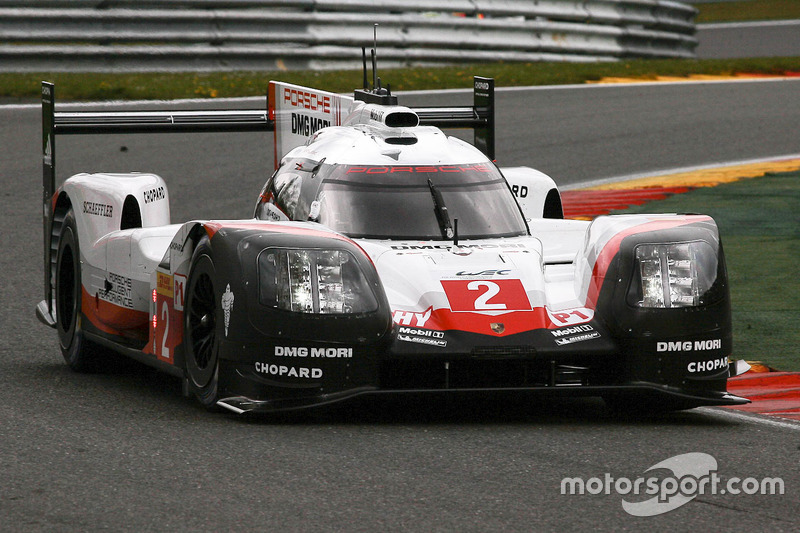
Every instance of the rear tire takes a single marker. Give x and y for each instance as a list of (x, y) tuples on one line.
[(80, 354), (201, 335)]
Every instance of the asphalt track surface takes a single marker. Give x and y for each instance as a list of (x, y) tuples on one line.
[(123, 450), (774, 38)]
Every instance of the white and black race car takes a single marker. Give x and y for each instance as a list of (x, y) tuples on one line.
[(383, 256)]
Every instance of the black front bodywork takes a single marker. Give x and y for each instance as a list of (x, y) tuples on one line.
[(273, 359), (285, 359), (683, 350)]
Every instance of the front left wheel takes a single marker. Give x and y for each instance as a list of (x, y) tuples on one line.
[(200, 329)]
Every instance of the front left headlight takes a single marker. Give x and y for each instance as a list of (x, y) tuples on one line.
[(673, 275), (313, 281)]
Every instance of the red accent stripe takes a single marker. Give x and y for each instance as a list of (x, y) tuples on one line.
[(113, 319), (513, 322), (271, 99), (612, 248), (213, 227)]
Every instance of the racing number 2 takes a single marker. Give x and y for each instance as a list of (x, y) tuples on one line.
[(486, 295), (482, 301), (164, 341), (165, 318), (167, 314)]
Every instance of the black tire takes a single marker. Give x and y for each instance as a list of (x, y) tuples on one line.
[(201, 335), (80, 354)]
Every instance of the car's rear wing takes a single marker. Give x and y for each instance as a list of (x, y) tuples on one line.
[(299, 112), (479, 117)]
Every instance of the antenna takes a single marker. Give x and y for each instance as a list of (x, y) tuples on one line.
[(377, 94), (365, 85), (375, 56), (374, 70)]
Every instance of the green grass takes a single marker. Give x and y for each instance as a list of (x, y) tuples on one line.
[(158, 86), (759, 220), (748, 10)]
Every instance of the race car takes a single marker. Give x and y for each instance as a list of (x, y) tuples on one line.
[(384, 256)]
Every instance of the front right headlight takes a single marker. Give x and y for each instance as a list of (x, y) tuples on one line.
[(673, 275), (313, 281)]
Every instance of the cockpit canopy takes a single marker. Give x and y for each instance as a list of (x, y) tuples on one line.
[(395, 202)]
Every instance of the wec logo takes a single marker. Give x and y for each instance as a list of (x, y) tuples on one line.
[(490, 272)]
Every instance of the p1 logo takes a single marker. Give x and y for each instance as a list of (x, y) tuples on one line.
[(570, 317)]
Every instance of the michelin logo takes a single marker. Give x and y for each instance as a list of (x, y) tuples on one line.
[(422, 340), (428, 337), (578, 338)]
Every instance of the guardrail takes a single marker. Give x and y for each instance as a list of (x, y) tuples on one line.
[(192, 35)]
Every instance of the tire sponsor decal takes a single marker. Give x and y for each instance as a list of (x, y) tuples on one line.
[(428, 337), (580, 333), (226, 301), (578, 338)]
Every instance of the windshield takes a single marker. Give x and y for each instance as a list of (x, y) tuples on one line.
[(419, 202)]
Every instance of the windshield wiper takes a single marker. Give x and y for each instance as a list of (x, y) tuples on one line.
[(441, 211)]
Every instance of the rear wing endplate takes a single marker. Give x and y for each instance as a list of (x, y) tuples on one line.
[(479, 117)]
